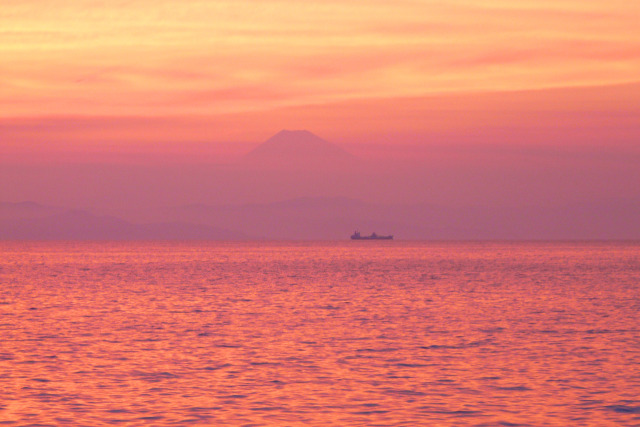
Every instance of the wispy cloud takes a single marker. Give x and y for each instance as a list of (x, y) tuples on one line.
[(201, 57)]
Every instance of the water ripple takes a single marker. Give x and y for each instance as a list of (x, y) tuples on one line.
[(482, 334)]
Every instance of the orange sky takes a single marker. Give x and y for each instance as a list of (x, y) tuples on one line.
[(194, 57)]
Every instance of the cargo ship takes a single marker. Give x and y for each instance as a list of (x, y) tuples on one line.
[(357, 236)]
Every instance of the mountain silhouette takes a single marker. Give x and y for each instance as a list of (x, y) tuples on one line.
[(298, 148), (27, 209), (32, 221)]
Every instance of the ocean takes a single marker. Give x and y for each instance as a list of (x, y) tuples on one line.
[(320, 333)]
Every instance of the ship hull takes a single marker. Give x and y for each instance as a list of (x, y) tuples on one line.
[(372, 238)]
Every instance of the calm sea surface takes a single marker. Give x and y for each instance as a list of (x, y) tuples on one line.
[(331, 333)]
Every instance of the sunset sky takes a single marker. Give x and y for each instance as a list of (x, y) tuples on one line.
[(166, 58)]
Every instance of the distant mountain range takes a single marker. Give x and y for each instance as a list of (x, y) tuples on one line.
[(311, 218), (32, 221)]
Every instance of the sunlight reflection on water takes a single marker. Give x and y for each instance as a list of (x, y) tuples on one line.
[(343, 333)]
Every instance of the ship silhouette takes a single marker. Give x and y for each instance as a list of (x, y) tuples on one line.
[(357, 236)]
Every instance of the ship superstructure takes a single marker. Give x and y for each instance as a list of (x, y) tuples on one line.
[(373, 236)]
